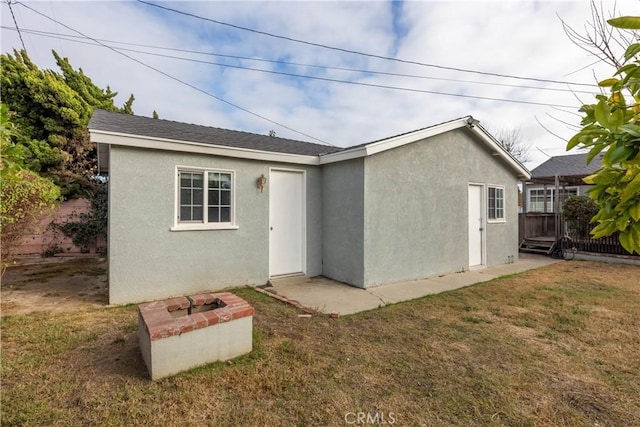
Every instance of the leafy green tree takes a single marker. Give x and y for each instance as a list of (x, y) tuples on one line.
[(82, 85), (11, 155), (26, 196), (53, 109), (612, 124)]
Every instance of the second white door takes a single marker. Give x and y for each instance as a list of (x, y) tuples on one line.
[(286, 222), (476, 225)]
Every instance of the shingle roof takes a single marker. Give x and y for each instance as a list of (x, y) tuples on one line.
[(569, 165), (156, 128)]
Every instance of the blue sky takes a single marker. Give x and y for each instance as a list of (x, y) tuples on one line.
[(521, 38)]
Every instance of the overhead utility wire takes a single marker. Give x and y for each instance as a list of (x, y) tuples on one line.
[(72, 38), (176, 78), (355, 52), (327, 79), (16, 24)]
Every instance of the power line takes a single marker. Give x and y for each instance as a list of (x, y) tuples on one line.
[(71, 38), (177, 79), (354, 52), (16, 24), (327, 79)]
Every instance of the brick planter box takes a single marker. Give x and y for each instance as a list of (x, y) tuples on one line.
[(184, 332)]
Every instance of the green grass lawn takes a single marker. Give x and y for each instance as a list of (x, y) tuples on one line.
[(555, 346)]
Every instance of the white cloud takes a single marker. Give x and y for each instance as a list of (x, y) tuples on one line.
[(518, 38)]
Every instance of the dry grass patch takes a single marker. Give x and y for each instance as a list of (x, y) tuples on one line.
[(554, 346)]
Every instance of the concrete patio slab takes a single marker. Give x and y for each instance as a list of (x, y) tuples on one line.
[(328, 296), (325, 295)]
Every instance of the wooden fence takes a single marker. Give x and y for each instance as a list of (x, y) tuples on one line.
[(532, 225), (536, 225), (48, 241), (603, 245)]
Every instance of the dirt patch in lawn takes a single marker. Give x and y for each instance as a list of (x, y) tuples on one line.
[(54, 284)]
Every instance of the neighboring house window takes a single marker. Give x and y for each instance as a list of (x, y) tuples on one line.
[(205, 199), (496, 203), (537, 198)]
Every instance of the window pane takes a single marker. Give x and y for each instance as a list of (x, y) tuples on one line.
[(197, 213), (536, 201), (496, 203), (214, 180), (197, 197), (225, 197), (214, 214), (214, 197), (225, 180), (225, 214), (185, 197), (185, 213), (191, 185)]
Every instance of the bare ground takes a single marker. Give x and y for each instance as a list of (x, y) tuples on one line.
[(54, 284)]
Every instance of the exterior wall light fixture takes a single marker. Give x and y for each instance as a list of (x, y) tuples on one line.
[(261, 182)]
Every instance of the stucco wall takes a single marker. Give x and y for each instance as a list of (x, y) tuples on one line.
[(148, 261), (416, 215), (342, 215)]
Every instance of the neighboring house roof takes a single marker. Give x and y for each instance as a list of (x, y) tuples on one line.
[(166, 129), (125, 129), (572, 165)]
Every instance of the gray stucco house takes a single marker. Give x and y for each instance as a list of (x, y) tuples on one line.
[(195, 208)]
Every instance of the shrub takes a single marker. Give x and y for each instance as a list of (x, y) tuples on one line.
[(578, 212), (26, 199)]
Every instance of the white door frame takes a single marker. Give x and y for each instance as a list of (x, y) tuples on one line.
[(483, 225), (304, 215)]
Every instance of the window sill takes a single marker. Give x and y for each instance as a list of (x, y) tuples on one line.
[(496, 221), (199, 227)]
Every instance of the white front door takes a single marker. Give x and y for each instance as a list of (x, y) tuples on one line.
[(286, 222), (476, 225)]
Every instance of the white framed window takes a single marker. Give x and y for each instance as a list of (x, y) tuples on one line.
[(537, 198), (205, 199), (495, 203)]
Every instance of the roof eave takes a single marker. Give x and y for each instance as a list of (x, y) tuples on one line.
[(393, 142), (465, 122), (155, 143), (522, 172)]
